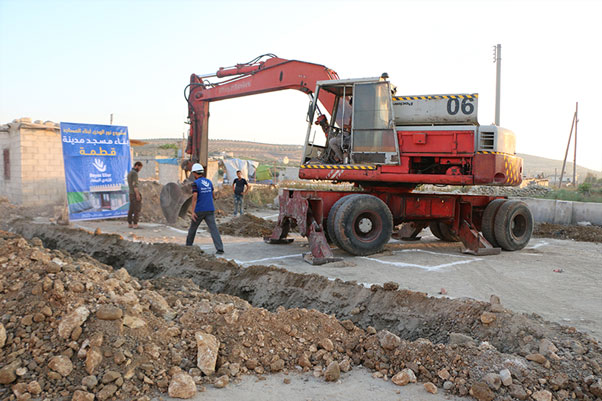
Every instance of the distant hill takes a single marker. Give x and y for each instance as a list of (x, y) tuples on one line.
[(534, 165), (272, 153)]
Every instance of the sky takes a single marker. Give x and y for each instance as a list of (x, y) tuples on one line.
[(81, 61)]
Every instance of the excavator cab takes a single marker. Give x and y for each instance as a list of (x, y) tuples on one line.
[(361, 129)]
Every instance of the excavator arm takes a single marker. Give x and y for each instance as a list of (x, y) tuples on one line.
[(255, 77), (266, 73)]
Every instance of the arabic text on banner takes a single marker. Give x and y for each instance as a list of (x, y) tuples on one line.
[(97, 161)]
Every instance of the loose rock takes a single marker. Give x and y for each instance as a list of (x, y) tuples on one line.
[(430, 388), (73, 320), (332, 372), (506, 377), (182, 386), (207, 348), (404, 377), (221, 382), (543, 395), (388, 340), (539, 358), (482, 392), (488, 318), (61, 364), (80, 395)]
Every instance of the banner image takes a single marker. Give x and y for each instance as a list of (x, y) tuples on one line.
[(97, 160)]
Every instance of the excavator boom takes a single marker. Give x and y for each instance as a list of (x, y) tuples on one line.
[(264, 74), (252, 78)]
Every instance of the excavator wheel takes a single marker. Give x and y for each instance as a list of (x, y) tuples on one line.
[(363, 225), (330, 226), (488, 221), (443, 231), (447, 233), (513, 225), (434, 227)]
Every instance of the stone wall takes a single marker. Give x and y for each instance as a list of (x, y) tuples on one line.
[(10, 188), (36, 159), (43, 172)]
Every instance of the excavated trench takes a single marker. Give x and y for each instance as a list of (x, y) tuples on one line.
[(410, 315)]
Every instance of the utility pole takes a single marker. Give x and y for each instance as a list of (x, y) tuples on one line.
[(497, 58), (575, 150), (566, 153), (111, 123)]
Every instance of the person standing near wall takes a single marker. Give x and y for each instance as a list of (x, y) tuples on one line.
[(240, 187), (203, 208), (135, 196)]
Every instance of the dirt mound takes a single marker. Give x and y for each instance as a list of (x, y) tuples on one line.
[(259, 196), (247, 225), (577, 233), (151, 202), (461, 345)]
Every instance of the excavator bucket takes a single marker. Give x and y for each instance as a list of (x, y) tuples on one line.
[(175, 201)]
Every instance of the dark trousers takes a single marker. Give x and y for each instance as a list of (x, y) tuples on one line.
[(134, 210), (209, 218)]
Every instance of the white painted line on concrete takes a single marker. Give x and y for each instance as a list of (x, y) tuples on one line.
[(542, 243), (428, 268), (433, 253), (178, 230), (266, 259)]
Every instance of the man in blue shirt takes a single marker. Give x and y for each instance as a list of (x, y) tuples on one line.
[(203, 209)]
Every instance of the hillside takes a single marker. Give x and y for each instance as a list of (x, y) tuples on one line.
[(534, 165), (272, 153)]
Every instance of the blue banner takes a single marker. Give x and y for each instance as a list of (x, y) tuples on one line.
[(97, 160)]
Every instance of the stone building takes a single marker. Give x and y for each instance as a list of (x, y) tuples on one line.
[(31, 166)]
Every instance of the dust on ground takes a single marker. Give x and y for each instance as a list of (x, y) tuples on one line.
[(75, 325), (577, 233), (247, 225)]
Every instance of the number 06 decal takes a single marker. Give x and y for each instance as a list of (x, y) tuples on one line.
[(453, 106)]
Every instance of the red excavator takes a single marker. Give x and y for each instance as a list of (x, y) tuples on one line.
[(385, 145)]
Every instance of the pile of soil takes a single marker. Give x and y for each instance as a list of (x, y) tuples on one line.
[(224, 201), (74, 328), (151, 202), (259, 196), (247, 225), (577, 233)]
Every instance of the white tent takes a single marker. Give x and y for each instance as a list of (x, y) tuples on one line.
[(246, 167)]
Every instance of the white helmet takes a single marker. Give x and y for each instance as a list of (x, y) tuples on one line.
[(197, 168)]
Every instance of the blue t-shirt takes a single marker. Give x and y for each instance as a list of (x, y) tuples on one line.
[(204, 189)]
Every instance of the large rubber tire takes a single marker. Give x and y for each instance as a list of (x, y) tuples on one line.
[(443, 232), (488, 221), (363, 225), (513, 225), (446, 233), (434, 227), (331, 219)]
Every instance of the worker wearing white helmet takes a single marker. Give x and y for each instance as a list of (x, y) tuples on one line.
[(203, 208)]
